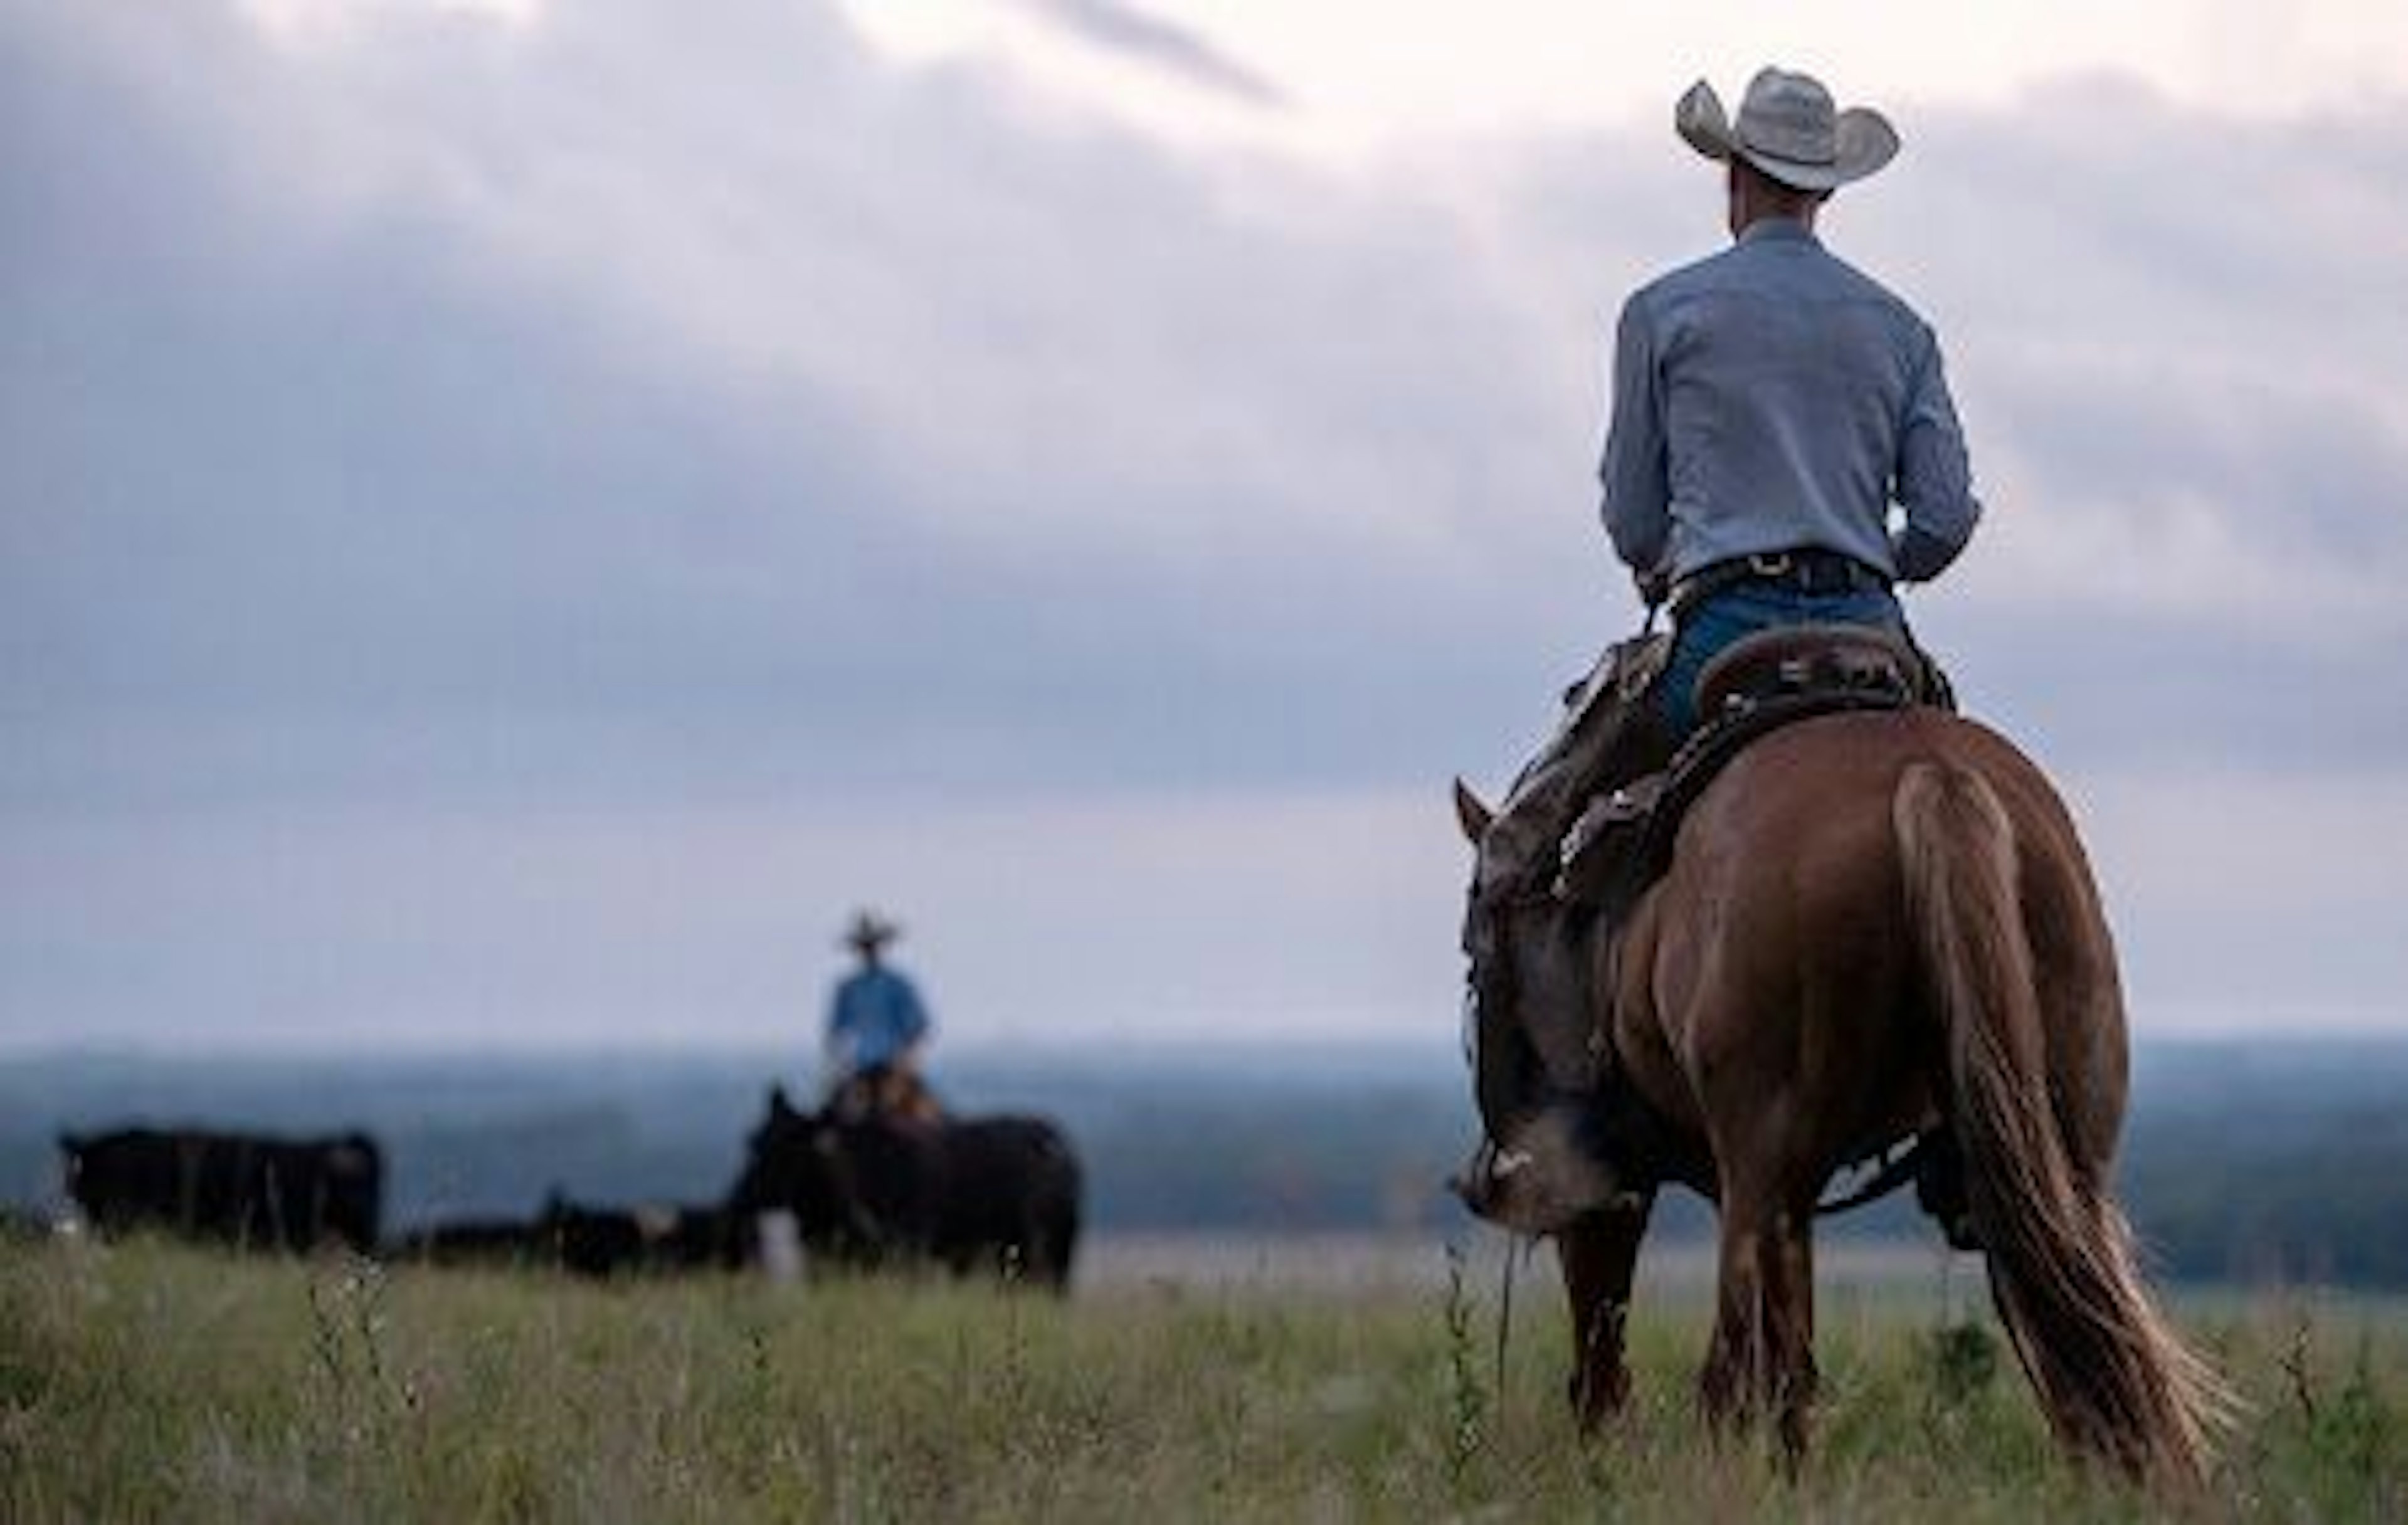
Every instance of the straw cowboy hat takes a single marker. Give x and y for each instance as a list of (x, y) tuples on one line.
[(870, 930), (1789, 128)]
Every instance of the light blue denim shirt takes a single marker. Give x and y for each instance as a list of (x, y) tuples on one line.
[(1773, 396), (874, 1017)]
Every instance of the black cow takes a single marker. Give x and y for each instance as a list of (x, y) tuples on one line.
[(576, 1237), (1000, 1194), (249, 1191), (592, 1241)]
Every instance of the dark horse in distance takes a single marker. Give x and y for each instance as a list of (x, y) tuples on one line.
[(1873, 927), (871, 1188)]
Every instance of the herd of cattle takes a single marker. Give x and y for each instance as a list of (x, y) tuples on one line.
[(999, 1195)]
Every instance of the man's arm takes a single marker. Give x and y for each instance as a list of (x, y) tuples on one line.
[(1935, 481), (1636, 508)]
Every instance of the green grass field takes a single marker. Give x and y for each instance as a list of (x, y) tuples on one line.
[(152, 1382)]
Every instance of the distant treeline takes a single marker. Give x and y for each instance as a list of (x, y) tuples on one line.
[(2247, 1162)]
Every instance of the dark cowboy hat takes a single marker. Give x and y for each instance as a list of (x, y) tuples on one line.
[(870, 931)]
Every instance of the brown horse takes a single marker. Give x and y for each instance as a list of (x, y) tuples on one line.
[(1874, 927)]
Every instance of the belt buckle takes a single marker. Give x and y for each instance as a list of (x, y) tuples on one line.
[(1771, 564)]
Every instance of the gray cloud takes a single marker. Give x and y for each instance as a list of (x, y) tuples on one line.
[(1056, 470), (636, 415), (1147, 38), (522, 406)]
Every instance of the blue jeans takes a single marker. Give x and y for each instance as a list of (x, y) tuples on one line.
[(1742, 610)]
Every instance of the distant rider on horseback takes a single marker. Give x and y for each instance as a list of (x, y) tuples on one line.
[(877, 1027), (1770, 403)]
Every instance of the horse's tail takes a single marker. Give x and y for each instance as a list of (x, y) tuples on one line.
[(2114, 1379)]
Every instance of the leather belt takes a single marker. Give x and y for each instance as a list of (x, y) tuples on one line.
[(1808, 569)]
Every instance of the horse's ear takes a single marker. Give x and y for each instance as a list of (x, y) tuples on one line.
[(779, 1105), (1476, 817)]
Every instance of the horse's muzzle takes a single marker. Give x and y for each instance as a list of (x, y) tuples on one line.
[(1485, 1182), (1540, 1180)]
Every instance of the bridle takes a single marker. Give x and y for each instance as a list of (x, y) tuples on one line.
[(1491, 987)]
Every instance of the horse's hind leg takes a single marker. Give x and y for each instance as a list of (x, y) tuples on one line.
[(1600, 1252), (1762, 1357)]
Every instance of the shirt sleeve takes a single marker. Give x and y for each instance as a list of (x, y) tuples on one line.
[(1935, 482), (1636, 504)]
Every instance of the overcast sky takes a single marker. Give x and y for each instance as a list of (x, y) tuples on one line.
[(516, 516)]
